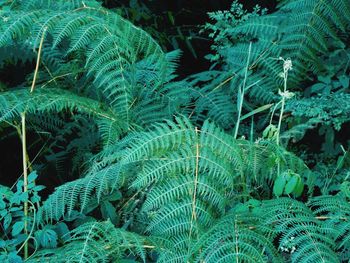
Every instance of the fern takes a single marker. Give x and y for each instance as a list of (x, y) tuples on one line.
[(156, 156), (110, 51), (96, 242), (237, 238), (305, 237), (334, 211), (49, 101), (303, 32), (172, 173)]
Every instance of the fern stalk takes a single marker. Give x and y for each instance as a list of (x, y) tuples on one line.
[(193, 215)]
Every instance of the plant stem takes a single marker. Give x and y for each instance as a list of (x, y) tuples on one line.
[(38, 60), (285, 77), (241, 92), (287, 65), (25, 178), (24, 146)]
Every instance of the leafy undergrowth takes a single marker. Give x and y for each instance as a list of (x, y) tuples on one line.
[(153, 168)]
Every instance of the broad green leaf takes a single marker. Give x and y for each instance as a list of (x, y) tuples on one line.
[(241, 208), (254, 202), (7, 221), (17, 228), (32, 176), (115, 196), (2, 204), (108, 211), (62, 231), (278, 187), (14, 258), (38, 188), (291, 184), (2, 243), (299, 188), (344, 80)]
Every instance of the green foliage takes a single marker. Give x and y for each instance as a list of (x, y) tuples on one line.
[(288, 182), (13, 219), (301, 234), (158, 170), (96, 242), (234, 238)]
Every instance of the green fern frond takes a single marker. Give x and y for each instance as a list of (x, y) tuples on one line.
[(334, 211), (96, 242), (76, 196), (237, 238), (48, 101), (300, 231), (109, 45), (304, 34)]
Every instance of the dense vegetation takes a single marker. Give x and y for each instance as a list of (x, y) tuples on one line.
[(245, 162)]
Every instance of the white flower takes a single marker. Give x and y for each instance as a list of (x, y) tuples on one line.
[(287, 94), (287, 65)]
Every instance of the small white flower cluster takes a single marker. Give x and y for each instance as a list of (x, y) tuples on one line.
[(288, 246), (287, 94), (287, 64)]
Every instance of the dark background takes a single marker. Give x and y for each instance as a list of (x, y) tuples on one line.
[(188, 15)]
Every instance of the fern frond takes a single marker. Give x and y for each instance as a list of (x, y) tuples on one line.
[(48, 101), (334, 211), (237, 238), (96, 242), (109, 46), (308, 26), (76, 196), (300, 231)]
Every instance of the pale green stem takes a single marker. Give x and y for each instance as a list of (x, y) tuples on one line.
[(241, 92), (285, 77), (25, 178)]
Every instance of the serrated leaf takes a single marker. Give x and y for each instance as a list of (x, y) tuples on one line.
[(291, 184), (278, 187), (47, 238)]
